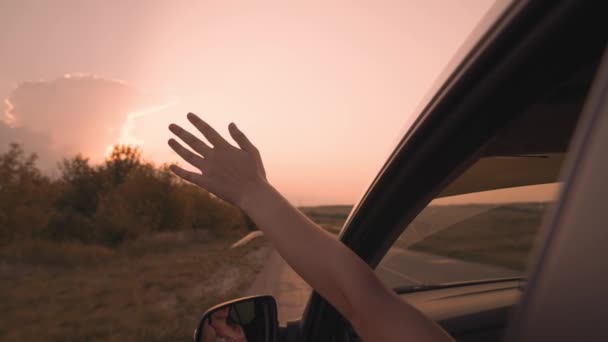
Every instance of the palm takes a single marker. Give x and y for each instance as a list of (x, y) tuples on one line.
[(226, 171)]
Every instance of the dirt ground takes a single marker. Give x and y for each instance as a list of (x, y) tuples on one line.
[(155, 290)]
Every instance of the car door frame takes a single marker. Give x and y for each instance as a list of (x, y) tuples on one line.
[(565, 295), (498, 76)]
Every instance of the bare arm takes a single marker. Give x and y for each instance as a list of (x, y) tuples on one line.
[(333, 270)]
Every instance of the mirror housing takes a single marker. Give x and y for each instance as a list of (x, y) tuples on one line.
[(247, 319)]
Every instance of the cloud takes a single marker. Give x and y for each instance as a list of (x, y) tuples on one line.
[(127, 134), (72, 114), (37, 142)]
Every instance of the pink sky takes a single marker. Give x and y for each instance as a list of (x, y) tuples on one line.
[(323, 88)]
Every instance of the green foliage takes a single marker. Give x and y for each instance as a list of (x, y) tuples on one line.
[(121, 199)]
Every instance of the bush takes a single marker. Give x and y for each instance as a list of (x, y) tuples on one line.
[(69, 225), (26, 196), (121, 199), (81, 186)]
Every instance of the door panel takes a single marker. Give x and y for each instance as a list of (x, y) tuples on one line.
[(469, 313), (566, 297)]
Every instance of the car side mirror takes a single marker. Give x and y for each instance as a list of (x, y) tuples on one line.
[(248, 319)]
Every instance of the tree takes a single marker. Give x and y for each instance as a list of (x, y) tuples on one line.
[(26, 196), (123, 160), (82, 185)]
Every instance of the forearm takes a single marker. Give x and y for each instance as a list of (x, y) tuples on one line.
[(316, 255), (335, 272)]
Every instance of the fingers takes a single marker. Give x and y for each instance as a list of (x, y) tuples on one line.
[(192, 141), (244, 143), (241, 139), (194, 178), (209, 334), (211, 134), (189, 156), (189, 176)]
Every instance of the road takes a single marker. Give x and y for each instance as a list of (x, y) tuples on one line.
[(399, 268), (278, 279), (402, 267)]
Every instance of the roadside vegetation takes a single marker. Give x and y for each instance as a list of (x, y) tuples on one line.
[(123, 250), (118, 251), (108, 204)]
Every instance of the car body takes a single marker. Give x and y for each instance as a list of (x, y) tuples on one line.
[(526, 106), (526, 81)]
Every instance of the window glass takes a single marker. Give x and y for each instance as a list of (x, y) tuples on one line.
[(478, 235)]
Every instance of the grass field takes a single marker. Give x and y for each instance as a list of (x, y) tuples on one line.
[(498, 235), (153, 289), (330, 217), (156, 288)]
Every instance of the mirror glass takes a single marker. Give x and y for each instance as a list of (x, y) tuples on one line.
[(251, 319)]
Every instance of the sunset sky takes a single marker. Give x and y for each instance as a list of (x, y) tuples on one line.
[(323, 88)]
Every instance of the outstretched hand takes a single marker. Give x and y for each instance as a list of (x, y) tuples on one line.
[(208, 334), (228, 172)]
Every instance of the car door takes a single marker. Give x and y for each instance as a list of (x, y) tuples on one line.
[(565, 298), (512, 85)]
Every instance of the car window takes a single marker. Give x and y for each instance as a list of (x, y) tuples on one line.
[(476, 236), (484, 223), (481, 227)]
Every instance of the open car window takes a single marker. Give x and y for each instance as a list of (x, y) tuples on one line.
[(484, 224), (486, 233)]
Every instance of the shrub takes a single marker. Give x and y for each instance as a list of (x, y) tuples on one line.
[(70, 225), (121, 199), (81, 186), (26, 196)]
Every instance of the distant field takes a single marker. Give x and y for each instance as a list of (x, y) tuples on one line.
[(154, 289), (330, 217), (499, 235)]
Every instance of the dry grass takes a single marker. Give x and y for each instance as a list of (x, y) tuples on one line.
[(491, 234), (501, 236), (330, 217), (153, 289)]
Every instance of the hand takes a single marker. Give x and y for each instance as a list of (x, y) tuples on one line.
[(226, 171), (208, 334)]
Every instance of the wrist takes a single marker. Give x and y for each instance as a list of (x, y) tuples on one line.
[(254, 196)]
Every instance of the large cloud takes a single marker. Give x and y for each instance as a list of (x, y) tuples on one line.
[(69, 115), (37, 142)]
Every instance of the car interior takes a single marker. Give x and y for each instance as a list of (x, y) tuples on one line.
[(514, 127), (517, 156)]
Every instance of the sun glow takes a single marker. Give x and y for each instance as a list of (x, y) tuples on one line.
[(126, 135)]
